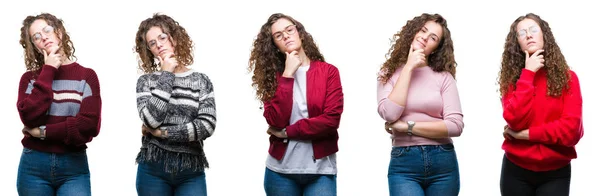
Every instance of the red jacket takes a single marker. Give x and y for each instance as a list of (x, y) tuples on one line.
[(555, 123), (325, 102)]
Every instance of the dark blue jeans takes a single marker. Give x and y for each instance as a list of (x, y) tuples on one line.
[(42, 174), (277, 184), (424, 170), (153, 180)]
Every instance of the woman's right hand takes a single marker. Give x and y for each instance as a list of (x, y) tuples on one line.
[(535, 61), (292, 62), (53, 59), (416, 58), (168, 62)]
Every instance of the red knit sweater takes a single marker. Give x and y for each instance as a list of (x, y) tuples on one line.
[(66, 100), (554, 123)]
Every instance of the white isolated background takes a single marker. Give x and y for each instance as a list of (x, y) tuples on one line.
[(354, 36)]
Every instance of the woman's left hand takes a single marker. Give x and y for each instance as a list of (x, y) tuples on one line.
[(520, 135), (276, 132)]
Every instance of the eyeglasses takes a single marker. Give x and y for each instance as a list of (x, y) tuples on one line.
[(290, 30), (162, 38), (48, 30), (532, 30)]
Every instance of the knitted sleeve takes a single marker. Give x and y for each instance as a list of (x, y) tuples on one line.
[(153, 101)]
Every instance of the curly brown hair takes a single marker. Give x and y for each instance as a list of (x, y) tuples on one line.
[(513, 59), (441, 59), (266, 60), (177, 35), (34, 58)]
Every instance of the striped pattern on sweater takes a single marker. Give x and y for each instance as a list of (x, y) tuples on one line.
[(184, 105)]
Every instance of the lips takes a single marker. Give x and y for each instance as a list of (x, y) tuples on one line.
[(530, 43), (288, 43), (162, 51), (47, 44)]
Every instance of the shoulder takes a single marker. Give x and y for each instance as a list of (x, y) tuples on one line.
[(573, 75), (324, 66)]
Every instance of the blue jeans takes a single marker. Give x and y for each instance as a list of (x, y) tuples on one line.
[(152, 179), (277, 184), (42, 174), (424, 170)]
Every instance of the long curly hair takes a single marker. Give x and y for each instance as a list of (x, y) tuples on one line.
[(513, 60), (34, 58), (266, 59), (441, 59), (183, 45)]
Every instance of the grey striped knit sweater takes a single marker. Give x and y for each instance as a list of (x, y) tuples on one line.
[(184, 105)]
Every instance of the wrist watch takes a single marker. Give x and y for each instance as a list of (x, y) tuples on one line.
[(285, 140), (42, 132), (411, 124)]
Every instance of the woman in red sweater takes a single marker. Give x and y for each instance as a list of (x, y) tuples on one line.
[(59, 104), (303, 103), (542, 107)]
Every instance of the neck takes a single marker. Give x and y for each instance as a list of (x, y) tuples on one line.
[(305, 59), (180, 69)]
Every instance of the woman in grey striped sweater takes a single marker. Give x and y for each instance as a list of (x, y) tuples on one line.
[(177, 107)]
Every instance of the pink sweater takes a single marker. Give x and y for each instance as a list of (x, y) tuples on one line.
[(432, 96)]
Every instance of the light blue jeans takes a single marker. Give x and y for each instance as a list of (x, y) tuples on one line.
[(424, 171), (278, 184), (42, 173)]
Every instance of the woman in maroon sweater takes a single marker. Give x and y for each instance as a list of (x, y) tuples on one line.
[(59, 104), (542, 107), (303, 103)]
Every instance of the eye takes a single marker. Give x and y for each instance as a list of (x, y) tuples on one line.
[(162, 37), (37, 36), (521, 33), (277, 36), (151, 43), (48, 29), (534, 29)]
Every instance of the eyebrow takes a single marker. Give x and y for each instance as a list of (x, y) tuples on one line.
[(431, 33), (283, 29)]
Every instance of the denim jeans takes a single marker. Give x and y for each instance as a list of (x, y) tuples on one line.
[(152, 180), (517, 181), (430, 170), (42, 174), (277, 184)]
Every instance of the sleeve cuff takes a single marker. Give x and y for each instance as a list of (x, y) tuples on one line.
[(286, 83), (535, 135), (527, 75), (56, 132), (47, 73)]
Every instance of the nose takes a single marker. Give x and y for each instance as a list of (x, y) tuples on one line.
[(159, 45), (286, 36), (528, 34)]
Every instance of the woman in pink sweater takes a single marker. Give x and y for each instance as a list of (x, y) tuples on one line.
[(418, 99)]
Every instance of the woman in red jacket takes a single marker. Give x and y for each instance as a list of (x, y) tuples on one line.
[(303, 103), (542, 107)]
